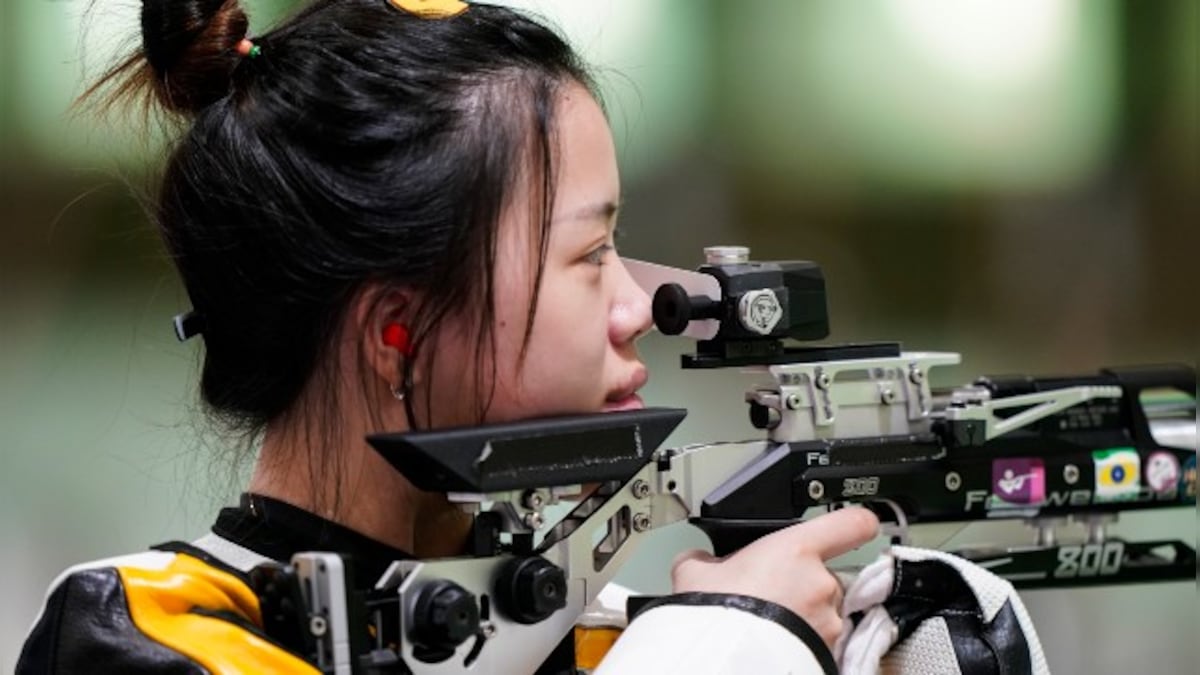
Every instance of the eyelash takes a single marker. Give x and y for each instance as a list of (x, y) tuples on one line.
[(596, 256)]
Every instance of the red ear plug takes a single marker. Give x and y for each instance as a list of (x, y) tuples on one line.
[(396, 335)]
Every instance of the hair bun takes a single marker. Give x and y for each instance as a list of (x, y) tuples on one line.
[(191, 47)]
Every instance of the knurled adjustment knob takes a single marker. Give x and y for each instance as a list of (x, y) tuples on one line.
[(444, 616), (530, 589)]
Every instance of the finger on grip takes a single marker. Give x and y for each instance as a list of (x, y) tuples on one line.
[(832, 534)]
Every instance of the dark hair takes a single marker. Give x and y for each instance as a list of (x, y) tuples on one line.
[(363, 144)]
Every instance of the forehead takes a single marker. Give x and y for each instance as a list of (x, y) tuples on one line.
[(587, 160)]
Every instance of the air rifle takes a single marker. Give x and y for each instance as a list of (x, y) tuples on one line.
[(856, 423)]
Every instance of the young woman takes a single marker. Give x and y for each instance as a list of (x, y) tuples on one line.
[(391, 215)]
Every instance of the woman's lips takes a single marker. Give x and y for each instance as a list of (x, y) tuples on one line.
[(630, 402), (626, 397)]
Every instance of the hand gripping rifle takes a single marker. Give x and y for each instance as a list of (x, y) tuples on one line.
[(848, 423)]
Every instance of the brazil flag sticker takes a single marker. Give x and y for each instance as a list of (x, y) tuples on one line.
[(1118, 474)]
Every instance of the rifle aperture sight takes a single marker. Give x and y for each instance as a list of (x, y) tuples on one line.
[(760, 305)]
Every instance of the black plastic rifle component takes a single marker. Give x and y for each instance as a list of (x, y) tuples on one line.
[(284, 612), (444, 617), (537, 453), (761, 304), (674, 309), (530, 589), (751, 291)]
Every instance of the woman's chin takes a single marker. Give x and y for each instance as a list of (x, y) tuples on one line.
[(631, 402)]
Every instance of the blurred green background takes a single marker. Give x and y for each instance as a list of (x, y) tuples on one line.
[(1015, 180)]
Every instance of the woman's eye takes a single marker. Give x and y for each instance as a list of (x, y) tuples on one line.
[(596, 257)]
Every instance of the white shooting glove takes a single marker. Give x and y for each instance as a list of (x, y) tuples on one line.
[(915, 611)]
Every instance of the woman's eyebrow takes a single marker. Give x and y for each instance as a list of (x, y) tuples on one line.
[(603, 211)]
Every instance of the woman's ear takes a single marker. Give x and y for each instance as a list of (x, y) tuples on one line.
[(383, 316)]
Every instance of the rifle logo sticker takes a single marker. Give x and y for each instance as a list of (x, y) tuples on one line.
[(1018, 481), (1162, 473), (1118, 474)]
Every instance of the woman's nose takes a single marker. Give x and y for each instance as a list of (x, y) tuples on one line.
[(630, 316)]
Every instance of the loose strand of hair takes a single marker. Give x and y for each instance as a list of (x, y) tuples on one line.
[(543, 148)]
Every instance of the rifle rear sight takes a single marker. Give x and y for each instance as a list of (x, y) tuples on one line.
[(761, 304)]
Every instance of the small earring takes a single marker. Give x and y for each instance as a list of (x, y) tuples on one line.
[(398, 392)]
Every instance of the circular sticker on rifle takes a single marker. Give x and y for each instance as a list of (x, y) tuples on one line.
[(1162, 472)]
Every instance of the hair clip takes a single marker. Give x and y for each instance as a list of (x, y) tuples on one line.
[(248, 49), (431, 9)]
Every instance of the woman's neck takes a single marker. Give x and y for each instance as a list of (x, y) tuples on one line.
[(355, 486)]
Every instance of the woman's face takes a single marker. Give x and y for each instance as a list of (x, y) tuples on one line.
[(581, 355)]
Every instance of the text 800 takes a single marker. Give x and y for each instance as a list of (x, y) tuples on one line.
[(1089, 560)]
